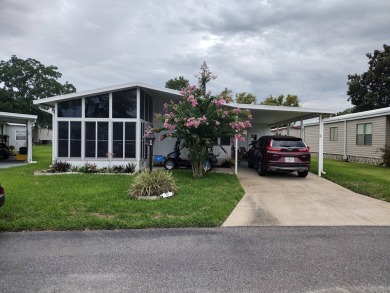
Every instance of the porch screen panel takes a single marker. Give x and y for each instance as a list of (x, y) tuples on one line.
[(90, 139), (142, 142), (70, 108), (130, 139), (63, 138), (124, 104), (97, 106), (102, 139), (75, 139), (117, 143)]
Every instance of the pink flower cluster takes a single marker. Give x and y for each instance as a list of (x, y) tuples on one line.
[(169, 126), (220, 101), (192, 100), (195, 122), (240, 125)]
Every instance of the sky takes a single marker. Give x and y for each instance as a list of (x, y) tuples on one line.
[(302, 47)]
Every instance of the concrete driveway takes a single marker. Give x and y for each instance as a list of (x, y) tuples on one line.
[(287, 200)]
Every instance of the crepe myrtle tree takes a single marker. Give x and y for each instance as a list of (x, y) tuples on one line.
[(199, 118)]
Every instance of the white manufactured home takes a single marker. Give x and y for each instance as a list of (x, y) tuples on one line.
[(356, 137), (106, 126)]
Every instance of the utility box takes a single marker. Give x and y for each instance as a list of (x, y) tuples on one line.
[(20, 157)]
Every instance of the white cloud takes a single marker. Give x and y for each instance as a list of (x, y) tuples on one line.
[(306, 48)]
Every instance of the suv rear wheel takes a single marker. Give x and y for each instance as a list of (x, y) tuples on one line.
[(303, 174), (261, 169)]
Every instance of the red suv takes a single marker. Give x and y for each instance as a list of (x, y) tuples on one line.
[(279, 153), (2, 196)]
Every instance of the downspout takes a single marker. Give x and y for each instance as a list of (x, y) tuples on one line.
[(321, 146), (301, 130)]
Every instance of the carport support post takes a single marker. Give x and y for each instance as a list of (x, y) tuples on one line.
[(29, 140), (236, 156), (321, 146)]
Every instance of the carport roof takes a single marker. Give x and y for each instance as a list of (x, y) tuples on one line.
[(16, 117), (277, 115)]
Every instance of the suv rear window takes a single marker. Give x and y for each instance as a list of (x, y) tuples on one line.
[(288, 143)]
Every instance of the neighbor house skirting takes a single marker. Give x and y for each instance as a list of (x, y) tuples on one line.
[(355, 159)]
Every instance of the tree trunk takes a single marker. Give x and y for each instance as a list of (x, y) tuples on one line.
[(197, 156)]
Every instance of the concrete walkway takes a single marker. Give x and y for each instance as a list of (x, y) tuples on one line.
[(287, 200)]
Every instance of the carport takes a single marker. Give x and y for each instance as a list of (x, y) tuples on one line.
[(29, 120), (275, 116)]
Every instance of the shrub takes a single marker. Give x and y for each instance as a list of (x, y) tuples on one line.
[(88, 168), (60, 167), (153, 183), (130, 168), (118, 169), (386, 155)]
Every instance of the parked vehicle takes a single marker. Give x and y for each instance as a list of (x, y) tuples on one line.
[(174, 160), (279, 153), (4, 151), (2, 196)]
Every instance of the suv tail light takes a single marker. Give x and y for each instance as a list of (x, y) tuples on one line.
[(306, 149), (270, 148)]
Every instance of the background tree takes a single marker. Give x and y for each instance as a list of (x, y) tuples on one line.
[(177, 83), (199, 118), (245, 98), (289, 101), (22, 81), (371, 90)]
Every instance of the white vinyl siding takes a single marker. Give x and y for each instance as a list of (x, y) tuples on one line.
[(335, 146), (387, 130), (378, 137), (311, 137)]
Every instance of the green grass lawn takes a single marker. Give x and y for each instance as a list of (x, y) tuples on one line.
[(366, 179), (90, 201)]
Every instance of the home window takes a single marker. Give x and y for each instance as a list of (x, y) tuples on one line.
[(96, 139), (124, 104), (20, 135), (70, 108), (364, 134), (97, 106), (334, 134), (69, 139), (124, 142)]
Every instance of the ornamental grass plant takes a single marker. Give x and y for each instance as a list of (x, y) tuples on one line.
[(152, 184)]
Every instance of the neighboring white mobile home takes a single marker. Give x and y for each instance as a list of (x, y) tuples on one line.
[(356, 137)]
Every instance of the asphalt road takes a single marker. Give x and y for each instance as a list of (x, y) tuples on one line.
[(245, 259)]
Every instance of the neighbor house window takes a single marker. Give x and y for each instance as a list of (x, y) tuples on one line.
[(20, 135), (96, 139), (124, 104), (69, 139), (364, 134), (97, 106), (334, 134), (124, 143), (70, 108)]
